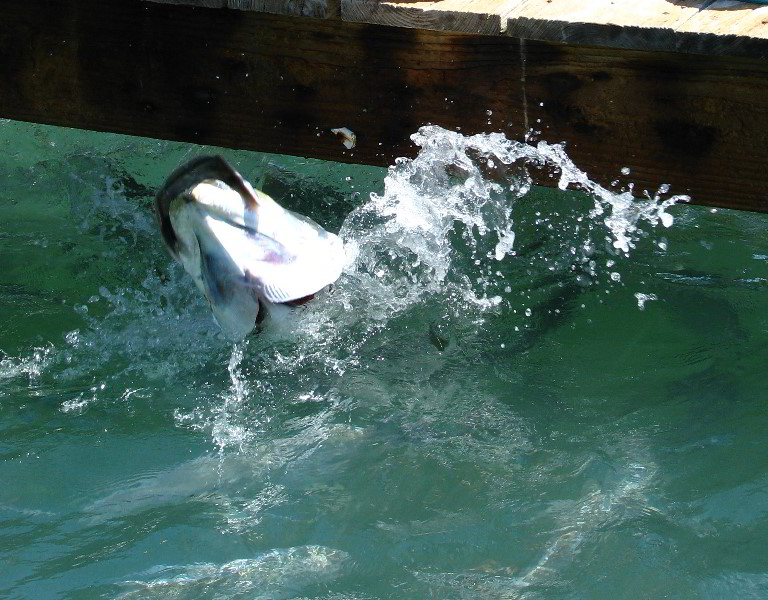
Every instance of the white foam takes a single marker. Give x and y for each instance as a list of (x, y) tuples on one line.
[(277, 574), (31, 366)]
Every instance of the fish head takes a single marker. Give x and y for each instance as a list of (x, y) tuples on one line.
[(242, 249)]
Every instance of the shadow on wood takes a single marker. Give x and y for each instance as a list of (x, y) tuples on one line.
[(280, 84)]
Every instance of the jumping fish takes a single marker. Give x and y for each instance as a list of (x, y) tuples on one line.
[(244, 251)]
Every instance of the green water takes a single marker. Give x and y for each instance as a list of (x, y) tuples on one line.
[(443, 424)]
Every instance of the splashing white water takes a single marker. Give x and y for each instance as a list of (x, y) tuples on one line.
[(227, 431), (277, 574), (460, 205), (642, 299), (31, 366)]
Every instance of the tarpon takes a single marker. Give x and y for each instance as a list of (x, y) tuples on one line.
[(244, 251)]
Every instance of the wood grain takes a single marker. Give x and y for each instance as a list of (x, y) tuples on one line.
[(647, 24), (464, 16), (721, 27), (304, 8), (698, 125), (246, 79), (726, 17), (717, 27), (728, 28)]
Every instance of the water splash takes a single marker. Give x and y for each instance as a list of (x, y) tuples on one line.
[(227, 428), (642, 299), (457, 223), (457, 234), (31, 366), (281, 573)]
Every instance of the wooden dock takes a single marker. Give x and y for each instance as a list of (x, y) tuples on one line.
[(677, 90)]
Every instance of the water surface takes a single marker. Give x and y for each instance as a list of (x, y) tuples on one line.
[(512, 392)]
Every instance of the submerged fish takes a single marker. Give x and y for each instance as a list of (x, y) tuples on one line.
[(243, 250)]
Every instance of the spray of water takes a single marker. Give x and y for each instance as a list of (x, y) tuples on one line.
[(450, 221), (275, 575)]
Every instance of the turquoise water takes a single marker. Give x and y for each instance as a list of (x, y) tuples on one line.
[(495, 401)]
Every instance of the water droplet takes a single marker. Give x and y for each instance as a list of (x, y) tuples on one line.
[(643, 298)]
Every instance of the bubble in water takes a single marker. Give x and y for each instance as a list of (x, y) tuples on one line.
[(505, 243), (643, 298)]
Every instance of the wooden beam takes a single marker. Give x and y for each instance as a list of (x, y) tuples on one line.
[(275, 83), (296, 8), (713, 27), (727, 28), (456, 16)]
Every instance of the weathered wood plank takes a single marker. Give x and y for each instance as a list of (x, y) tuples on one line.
[(646, 25), (722, 27), (726, 28), (719, 27), (464, 16), (272, 83), (727, 17), (245, 79), (655, 14), (303, 8)]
